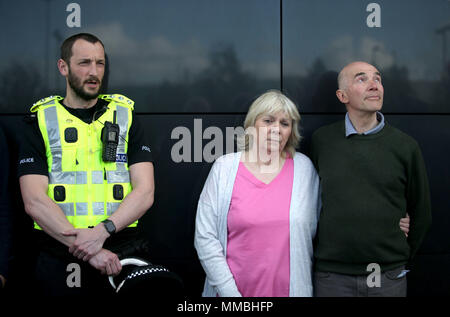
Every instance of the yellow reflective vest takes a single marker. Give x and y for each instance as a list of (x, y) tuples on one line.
[(87, 189)]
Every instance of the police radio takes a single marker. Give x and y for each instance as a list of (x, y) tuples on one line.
[(110, 139)]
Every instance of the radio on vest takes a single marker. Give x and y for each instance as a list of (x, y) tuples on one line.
[(110, 139)]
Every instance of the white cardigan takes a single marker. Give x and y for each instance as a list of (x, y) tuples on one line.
[(211, 226)]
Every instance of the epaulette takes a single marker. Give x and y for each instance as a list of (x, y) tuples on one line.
[(118, 98), (45, 102)]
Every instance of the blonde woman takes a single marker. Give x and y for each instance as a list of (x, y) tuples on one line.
[(258, 211)]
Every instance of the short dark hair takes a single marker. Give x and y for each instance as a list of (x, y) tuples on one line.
[(66, 47)]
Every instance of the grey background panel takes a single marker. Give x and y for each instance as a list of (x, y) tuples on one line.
[(168, 56), (407, 40)]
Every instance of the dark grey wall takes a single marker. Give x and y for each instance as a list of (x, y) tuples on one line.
[(182, 61)]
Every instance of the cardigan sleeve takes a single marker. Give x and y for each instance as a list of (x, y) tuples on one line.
[(207, 243)]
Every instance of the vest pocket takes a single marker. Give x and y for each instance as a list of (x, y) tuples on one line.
[(59, 193), (118, 192)]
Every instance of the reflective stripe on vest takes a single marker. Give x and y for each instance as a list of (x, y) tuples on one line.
[(80, 178), (51, 122), (82, 208)]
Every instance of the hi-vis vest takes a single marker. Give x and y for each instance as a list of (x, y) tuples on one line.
[(87, 189)]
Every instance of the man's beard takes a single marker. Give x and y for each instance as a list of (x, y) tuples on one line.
[(77, 86)]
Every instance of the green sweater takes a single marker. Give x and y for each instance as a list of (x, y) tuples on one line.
[(368, 183)]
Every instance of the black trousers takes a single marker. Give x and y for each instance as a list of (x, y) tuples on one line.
[(57, 276), (56, 269)]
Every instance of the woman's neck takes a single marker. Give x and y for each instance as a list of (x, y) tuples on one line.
[(268, 163)]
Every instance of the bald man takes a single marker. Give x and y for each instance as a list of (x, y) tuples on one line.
[(372, 175)]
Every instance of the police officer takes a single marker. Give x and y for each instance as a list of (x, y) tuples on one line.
[(86, 174)]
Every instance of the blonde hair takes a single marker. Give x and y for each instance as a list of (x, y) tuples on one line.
[(271, 102)]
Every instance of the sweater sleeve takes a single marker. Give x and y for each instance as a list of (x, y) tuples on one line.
[(209, 249), (418, 201)]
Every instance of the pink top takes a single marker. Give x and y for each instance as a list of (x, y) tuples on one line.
[(258, 233)]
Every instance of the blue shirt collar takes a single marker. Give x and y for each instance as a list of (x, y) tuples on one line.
[(350, 129)]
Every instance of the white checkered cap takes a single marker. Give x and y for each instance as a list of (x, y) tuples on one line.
[(127, 261)]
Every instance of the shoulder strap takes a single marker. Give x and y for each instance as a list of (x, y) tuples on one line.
[(45, 102), (119, 99)]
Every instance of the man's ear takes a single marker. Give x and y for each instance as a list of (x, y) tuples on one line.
[(63, 67), (342, 96)]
